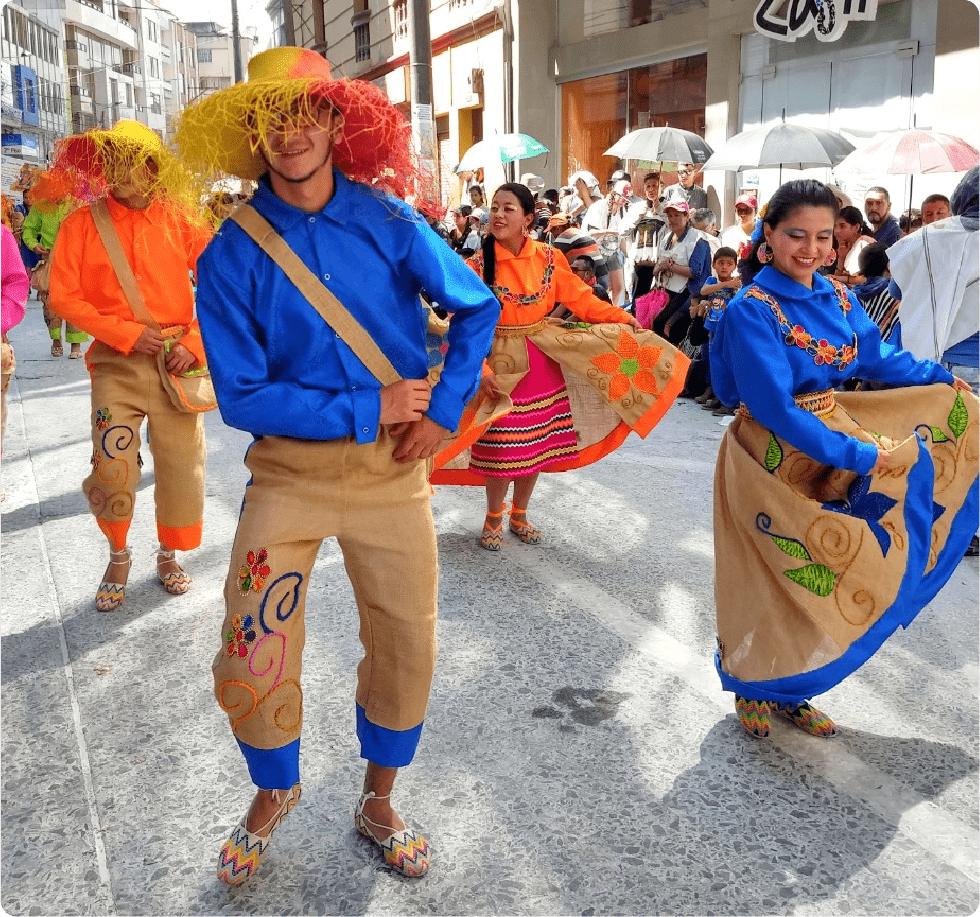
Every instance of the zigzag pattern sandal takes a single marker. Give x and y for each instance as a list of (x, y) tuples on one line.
[(754, 716), (177, 582), (492, 538), (523, 530), (406, 851), (244, 851), (110, 596), (809, 719)]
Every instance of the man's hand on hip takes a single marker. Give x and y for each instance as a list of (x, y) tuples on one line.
[(150, 341), (405, 401), (419, 439)]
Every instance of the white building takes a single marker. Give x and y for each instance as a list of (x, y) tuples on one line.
[(215, 54)]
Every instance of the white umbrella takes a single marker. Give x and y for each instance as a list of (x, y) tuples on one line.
[(499, 149), (792, 146), (661, 144)]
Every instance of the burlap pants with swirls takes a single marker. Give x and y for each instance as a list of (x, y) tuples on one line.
[(125, 389), (302, 492)]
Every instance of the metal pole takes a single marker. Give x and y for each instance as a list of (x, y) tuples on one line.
[(236, 41), (420, 73)]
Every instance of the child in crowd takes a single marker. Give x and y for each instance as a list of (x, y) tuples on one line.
[(715, 296), (873, 294)]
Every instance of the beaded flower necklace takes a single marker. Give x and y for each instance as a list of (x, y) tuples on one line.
[(522, 299), (823, 353)]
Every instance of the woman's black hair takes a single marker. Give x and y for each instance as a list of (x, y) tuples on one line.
[(873, 260), (791, 195), (854, 216), (526, 200)]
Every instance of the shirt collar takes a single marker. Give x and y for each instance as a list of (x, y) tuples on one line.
[(527, 249), (155, 213), (284, 216), (779, 283)]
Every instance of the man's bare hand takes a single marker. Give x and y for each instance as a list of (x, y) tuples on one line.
[(179, 360), (405, 401), (961, 385), (419, 439), (150, 341)]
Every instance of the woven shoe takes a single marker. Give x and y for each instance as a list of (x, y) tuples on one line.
[(244, 851), (754, 716), (110, 596), (522, 528), (491, 538), (406, 851), (809, 719), (176, 582)]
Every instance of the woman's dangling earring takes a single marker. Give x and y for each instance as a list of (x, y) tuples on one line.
[(764, 253), (831, 259)]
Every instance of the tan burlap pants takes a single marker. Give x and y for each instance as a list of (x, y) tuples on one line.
[(125, 389), (302, 492)]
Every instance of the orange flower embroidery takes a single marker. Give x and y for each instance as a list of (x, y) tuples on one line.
[(629, 366), (798, 335), (826, 353)]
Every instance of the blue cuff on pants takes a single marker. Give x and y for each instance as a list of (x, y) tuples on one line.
[(386, 747), (272, 768)]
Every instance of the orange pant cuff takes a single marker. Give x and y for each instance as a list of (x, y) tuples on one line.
[(116, 532), (185, 538)]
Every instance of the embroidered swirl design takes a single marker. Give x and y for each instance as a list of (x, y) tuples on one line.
[(123, 439), (284, 591)]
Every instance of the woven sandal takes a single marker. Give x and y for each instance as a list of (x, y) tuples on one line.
[(523, 530), (754, 716), (57, 349), (244, 850), (492, 538), (809, 719), (111, 595), (175, 583), (406, 851)]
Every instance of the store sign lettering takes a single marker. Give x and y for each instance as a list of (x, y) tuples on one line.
[(827, 18)]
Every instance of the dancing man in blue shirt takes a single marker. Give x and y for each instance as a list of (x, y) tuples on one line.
[(337, 453)]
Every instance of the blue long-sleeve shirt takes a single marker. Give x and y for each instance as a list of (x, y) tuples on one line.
[(752, 363), (280, 369)]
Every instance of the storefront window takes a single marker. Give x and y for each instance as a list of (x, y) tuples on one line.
[(581, 19), (597, 111)]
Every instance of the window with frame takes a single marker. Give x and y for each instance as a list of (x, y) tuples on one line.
[(401, 19), (204, 55), (362, 42)]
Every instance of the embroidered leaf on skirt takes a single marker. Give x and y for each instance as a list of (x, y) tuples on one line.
[(938, 436), (958, 416), (774, 454), (817, 578), (792, 547)]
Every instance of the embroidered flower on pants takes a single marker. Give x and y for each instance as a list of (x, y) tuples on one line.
[(242, 633), (253, 573), (629, 366), (102, 419)]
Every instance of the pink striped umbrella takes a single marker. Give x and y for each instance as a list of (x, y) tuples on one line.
[(913, 152)]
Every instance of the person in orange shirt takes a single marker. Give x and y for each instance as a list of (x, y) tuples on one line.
[(161, 243), (621, 376)]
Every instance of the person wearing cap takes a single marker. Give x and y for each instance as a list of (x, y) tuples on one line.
[(572, 242), (683, 266), (638, 232), (740, 232), (602, 221), (336, 452), (686, 188), (146, 195)]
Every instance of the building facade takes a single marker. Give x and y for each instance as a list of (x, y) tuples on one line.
[(578, 74), (34, 87), (216, 55)]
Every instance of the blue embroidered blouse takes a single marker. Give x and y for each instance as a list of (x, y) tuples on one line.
[(763, 364), (280, 369)]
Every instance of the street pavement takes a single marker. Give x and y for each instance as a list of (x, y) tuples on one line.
[(578, 757)]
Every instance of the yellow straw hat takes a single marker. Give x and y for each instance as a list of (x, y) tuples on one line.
[(228, 130)]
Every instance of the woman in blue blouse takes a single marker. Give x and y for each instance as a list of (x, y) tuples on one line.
[(838, 515)]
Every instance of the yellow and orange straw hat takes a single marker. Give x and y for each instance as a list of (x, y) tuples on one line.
[(227, 131)]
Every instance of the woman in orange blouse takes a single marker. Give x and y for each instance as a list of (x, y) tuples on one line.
[(528, 278)]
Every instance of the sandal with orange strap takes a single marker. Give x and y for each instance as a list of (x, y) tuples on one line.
[(523, 529), (492, 538)]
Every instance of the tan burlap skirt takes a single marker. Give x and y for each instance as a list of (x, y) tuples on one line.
[(816, 566)]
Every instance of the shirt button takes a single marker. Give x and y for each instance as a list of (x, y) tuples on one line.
[(312, 219), (365, 429), (326, 276), (353, 388)]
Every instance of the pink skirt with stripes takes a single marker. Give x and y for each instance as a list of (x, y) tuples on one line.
[(537, 433)]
